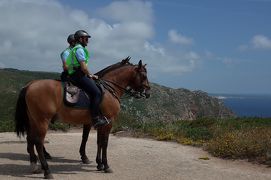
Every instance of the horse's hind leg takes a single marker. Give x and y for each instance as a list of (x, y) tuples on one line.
[(43, 162), (33, 158), (82, 150), (46, 154)]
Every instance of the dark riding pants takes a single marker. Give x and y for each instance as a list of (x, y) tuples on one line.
[(64, 76), (89, 86)]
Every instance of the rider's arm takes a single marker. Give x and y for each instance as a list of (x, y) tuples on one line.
[(85, 70), (84, 67), (65, 67), (64, 56), (81, 59)]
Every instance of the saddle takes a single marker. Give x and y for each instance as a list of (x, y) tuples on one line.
[(76, 97)]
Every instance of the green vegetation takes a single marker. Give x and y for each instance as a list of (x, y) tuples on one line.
[(236, 138), (59, 126), (11, 81)]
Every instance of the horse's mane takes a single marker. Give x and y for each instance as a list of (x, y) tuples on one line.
[(114, 66)]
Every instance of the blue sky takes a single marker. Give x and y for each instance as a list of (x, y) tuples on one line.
[(213, 46)]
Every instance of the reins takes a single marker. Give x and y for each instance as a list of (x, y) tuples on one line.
[(112, 90)]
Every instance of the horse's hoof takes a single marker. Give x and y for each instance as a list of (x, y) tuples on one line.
[(108, 170), (48, 176), (100, 167), (85, 160), (35, 169)]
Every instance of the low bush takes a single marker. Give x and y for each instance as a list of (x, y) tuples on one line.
[(250, 143), (236, 138)]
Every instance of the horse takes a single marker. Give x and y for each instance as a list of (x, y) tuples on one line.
[(41, 101)]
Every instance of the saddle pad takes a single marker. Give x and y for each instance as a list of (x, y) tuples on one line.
[(75, 97)]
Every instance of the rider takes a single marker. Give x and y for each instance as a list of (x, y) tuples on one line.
[(64, 55), (82, 77)]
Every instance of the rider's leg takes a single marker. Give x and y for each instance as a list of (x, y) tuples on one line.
[(89, 86), (64, 76)]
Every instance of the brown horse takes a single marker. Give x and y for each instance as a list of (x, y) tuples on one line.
[(41, 101)]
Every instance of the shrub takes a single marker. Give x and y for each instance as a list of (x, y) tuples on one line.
[(250, 143), (59, 126)]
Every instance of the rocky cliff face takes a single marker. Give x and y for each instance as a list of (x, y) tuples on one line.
[(166, 104)]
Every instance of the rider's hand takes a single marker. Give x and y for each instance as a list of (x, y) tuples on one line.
[(95, 77), (92, 76)]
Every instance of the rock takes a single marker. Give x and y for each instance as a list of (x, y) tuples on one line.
[(167, 104)]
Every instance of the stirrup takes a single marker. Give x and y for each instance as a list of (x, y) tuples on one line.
[(107, 120), (101, 119)]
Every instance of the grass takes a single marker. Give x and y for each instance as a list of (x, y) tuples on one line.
[(59, 126), (237, 138)]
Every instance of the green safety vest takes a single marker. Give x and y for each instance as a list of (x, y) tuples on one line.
[(72, 61)]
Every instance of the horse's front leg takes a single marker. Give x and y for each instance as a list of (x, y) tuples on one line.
[(86, 130), (105, 139), (99, 150)]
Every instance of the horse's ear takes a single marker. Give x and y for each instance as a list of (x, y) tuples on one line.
[(126, 60), (140, 64), (145, 65)]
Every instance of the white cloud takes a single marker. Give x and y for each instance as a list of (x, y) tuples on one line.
[(2, 65), (168, 64), (261, 42), (243, 47), (126, 11), (178, 38), (227, 60), (150, 47), (35, 32), (257, 42), (208, 54)]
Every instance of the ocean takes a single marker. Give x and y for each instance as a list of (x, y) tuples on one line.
[(247, 105)]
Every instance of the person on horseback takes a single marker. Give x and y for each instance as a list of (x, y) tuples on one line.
[(81, 76), (64, 55)]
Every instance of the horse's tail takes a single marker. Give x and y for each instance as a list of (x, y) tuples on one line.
[(21, 116)]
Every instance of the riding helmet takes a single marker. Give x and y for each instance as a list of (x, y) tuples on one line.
[(70, 38), (81, 33)]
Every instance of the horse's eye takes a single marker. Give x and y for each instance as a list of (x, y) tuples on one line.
[(144, 78)]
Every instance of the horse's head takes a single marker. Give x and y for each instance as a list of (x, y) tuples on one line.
[(136, 82), (140, 82)]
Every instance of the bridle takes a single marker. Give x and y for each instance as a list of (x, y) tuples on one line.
[(112, 85), (129, 91)]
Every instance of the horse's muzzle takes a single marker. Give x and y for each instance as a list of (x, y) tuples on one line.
[(147, 93)]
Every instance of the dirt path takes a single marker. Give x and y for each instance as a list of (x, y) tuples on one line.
[(129, 158)]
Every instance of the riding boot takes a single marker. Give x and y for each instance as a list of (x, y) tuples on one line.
[(99, 121)]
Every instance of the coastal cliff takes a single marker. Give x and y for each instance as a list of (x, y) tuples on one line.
[(167, 104)]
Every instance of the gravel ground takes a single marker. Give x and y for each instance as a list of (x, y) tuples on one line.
[(129, 158)]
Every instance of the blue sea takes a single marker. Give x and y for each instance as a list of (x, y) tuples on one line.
[(247, 105)]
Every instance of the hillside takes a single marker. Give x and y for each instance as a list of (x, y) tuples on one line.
[(165, 104)]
